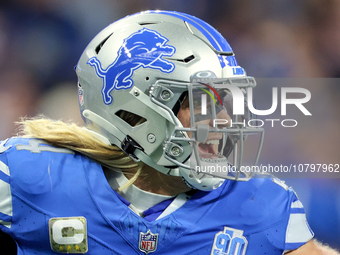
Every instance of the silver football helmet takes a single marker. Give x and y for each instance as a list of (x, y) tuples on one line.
[(150, 66)]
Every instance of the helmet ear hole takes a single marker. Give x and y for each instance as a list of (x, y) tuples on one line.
[(131, 118)]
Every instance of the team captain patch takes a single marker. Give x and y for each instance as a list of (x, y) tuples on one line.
[(230, 241), (68, 235)]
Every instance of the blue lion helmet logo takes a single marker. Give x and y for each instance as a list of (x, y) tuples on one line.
[(144, 48)]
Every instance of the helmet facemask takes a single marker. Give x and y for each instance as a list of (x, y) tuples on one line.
[(215, 133)]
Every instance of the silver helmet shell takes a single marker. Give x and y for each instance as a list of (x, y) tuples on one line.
[(142, 64)]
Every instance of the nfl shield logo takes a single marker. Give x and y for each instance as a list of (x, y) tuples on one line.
[(148, 242), (81, 95)]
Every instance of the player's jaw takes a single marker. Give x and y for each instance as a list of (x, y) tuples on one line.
[(209, 149)]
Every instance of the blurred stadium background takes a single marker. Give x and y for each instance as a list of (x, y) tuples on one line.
[(41, 41)]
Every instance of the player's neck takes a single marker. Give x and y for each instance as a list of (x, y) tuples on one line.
[(153, 181)]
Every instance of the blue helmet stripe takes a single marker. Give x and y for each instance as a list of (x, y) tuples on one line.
[(214, 37)]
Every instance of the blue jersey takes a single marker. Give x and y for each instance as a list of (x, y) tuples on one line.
[(55, 201)]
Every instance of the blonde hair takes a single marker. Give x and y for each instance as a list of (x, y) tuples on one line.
[(79, 139)]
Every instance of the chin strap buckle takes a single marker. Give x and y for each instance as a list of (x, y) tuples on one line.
[(129, 145)]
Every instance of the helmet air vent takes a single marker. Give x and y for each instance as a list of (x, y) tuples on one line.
[(188, 59), (130, 118), (99, 47), (184, 60), (145, 23)]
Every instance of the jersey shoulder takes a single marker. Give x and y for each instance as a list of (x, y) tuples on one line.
[(25, 156), (32, 167), (258, 203)]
